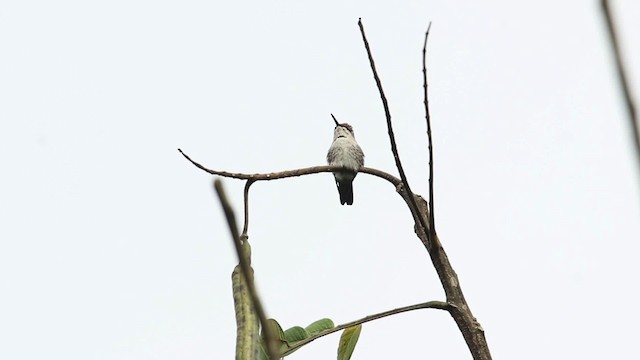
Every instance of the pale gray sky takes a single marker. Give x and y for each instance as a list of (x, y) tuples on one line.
[(112, 246)]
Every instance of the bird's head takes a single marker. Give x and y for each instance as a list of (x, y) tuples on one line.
[(342, 130)]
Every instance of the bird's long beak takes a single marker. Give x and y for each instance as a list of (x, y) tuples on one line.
[(334, 120)]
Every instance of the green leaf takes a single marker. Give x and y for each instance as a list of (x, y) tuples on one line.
[(275, 328), (280, 339), (295, 333), (319, 326), (348, 341)]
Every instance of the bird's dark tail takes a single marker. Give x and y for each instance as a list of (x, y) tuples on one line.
[(345, 188)]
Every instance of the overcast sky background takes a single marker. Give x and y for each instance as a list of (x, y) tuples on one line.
[(112, 246)]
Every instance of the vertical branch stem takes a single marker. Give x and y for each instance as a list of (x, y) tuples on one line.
[(427, 115)]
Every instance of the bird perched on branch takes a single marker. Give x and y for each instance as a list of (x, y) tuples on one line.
[(345, 152)]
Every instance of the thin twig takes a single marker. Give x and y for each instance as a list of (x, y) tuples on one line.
[(246, 270), (427, 115), (392, 138), (245, 228), (622, 77), (428, 305)]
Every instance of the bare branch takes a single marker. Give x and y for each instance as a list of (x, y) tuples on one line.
[(427, 115), (622, 77), (293, 173), (428, 305), (251, 178), (394, 148), (246, 271)]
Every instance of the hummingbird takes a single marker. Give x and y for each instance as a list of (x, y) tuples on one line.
[(345, 152)]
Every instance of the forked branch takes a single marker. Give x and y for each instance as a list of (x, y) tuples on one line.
[(394, 148), (461, 313)]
